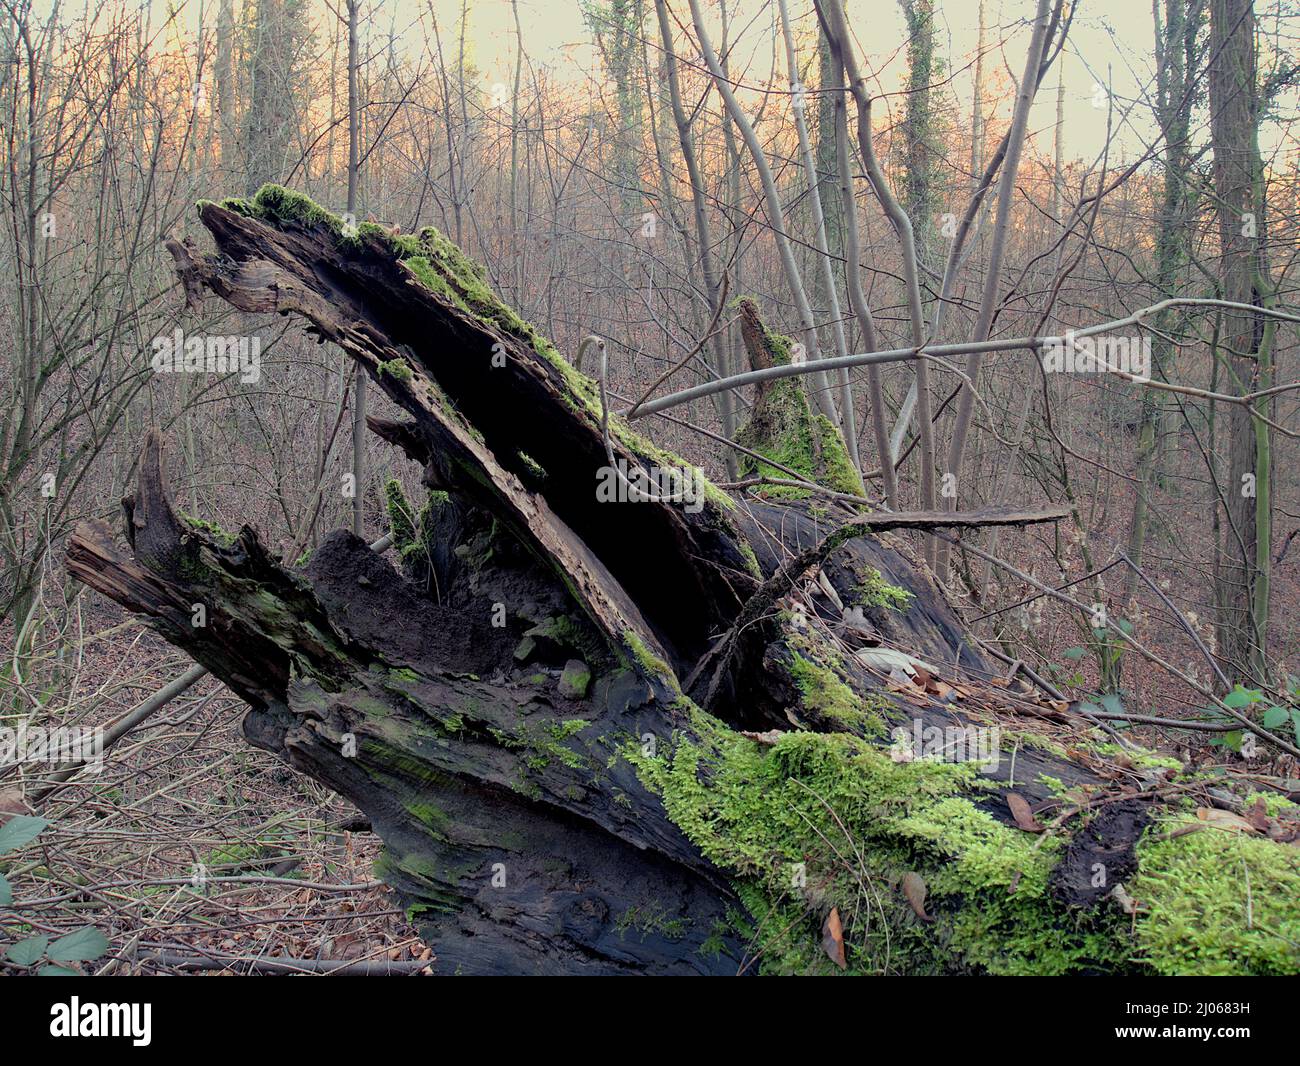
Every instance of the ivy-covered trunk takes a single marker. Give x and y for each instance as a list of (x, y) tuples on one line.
[(679, 733)]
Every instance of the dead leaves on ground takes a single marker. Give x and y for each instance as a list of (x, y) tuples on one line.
[(915, 891), (1022, 813), (833, 938)]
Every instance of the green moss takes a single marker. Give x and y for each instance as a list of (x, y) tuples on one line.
[(401, 516), (410, 532), (648, 661), (1054, 783), (1274, 805), (783, 428), (1027, 739), (874, 591), (575, 680), (651, 918), (1217, 902), (751, 560), (826, 696), (568, 728), (387, 759), (281, 206), (827, 819), (570, 633), (542, 743), (429, 815), (221, 536), (533, 467), (396, 368), (227, 857), (429, 277)]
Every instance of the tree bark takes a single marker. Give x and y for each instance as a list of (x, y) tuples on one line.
[(1243, 346), (590, 734)]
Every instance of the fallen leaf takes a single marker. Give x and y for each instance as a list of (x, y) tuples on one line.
[(770, 737), (1257, 815), (824, 583), (1223, 819), (833, 938), (1126, 902), (1020, 811), (11, 802), (915, 891), (888, 659)]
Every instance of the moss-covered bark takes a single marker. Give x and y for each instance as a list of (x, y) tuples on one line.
[(782, 425), (617, 827)]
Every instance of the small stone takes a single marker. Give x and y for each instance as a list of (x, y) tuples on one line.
[(525, 649), (574, 680)]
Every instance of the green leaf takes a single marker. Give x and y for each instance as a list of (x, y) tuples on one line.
[(1113, 703), (56, 971), (1125, 627), (1074, 654), (1240, 697), (1295, 721), (1230, 740), (6, 892), (19, 830), (1276, 716), (83, 945), (27, 952)]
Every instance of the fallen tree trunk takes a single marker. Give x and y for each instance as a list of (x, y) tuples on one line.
[(663, 736)]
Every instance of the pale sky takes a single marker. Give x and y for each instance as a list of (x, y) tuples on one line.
[(1110, 41)]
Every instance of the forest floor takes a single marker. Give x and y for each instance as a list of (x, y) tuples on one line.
[(191, 849)]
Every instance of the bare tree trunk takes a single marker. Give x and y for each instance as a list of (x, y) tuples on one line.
[(1243, 344), (703, 234), (977, 106), (993, 272), (775, 214), (354, 165), (1176, 81), (853, 285), (848, 415), (831, 14), (226, 84)]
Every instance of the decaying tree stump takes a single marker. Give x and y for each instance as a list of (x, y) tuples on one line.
[(650, 737)]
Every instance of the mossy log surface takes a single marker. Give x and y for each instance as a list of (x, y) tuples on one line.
[(518, 705)]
